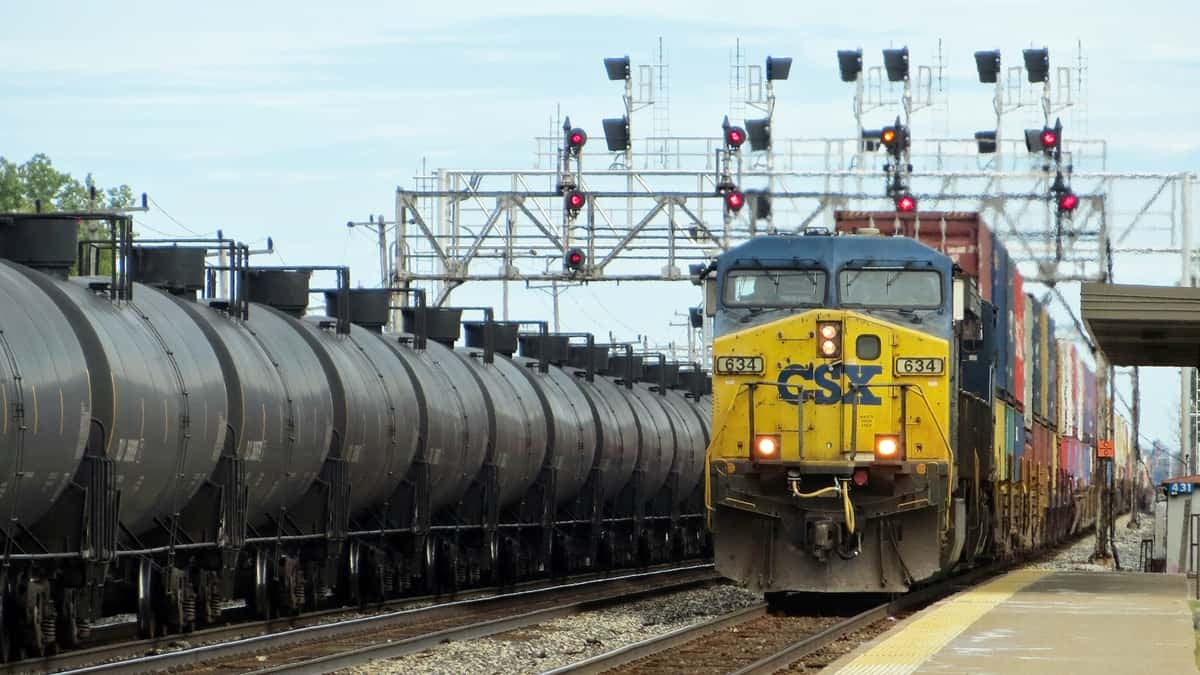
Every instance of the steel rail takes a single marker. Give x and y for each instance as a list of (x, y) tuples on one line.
[(244, 645), (790, 654), (660, 643)]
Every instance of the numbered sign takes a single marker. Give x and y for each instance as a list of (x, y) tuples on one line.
[(1104, 450)]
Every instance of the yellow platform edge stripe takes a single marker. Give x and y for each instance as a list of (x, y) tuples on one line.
[(912, 645)]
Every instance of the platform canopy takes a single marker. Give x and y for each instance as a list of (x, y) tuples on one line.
[(1144, 325)]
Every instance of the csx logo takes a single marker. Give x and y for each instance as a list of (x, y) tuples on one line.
[(828, 379)]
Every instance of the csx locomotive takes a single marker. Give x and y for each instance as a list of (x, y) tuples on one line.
[(864, 436)]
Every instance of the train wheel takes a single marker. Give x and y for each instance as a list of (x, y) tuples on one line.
[(353, 589), (431, 561), (147, 619), (607, 553), (68, 621), (6, 629), (262, 585)]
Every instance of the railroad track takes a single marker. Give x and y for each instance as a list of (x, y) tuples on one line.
[(752, 641), (303, 644)]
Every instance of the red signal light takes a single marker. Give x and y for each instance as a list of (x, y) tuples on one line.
[(1049, 138), (576, 138), (735, 136), (906, 203), (575, 200), (735, 200), (573, 260), (1068, 201)]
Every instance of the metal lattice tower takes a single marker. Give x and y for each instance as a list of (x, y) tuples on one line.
[(645, 224), (661, 127)]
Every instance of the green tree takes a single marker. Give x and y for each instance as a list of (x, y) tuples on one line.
[(23, 187)]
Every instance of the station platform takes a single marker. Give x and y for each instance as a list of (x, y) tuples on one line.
[(1042, 621)]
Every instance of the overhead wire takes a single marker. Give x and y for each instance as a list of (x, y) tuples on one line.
[(171, 217)]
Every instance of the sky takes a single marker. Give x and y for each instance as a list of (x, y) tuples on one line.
[(285, 120)]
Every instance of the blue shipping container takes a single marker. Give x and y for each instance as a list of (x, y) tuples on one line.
[(1000, 298)]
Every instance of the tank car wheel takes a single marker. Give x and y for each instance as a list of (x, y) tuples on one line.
[(493, 554), (645, 550), (262, 585), (431, 566), (448, 567), (674, 542), (147, 619), (68, 621), (7, 643), (606, 556), (353, 589)]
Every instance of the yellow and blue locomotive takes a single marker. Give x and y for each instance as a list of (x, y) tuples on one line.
[(837, 414)]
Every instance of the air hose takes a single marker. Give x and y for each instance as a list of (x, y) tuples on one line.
[(834, 489)]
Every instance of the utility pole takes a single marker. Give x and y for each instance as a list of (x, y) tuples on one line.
[(1134, 516)]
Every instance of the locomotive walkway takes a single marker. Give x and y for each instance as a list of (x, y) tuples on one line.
[(1041, 621)]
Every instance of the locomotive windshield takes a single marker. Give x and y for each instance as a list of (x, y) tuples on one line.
[(775, 288), (890, 288)]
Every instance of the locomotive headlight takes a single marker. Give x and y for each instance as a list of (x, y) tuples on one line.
[(766, 446), (830, 344), (887, 446)]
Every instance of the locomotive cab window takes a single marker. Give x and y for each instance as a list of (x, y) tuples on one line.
[(774, 288), (890, 288)]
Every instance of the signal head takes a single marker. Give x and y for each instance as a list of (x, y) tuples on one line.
[(574, 200), (735, 136), (735, 200), (576, 139), (573, 259), (888, 135)]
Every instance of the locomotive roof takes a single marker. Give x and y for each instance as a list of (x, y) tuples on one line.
[(829, 251)]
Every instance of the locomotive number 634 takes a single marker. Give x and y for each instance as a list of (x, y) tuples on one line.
[(919, 366), (738, 365)]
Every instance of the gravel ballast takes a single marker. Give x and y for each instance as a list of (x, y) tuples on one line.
[(1128, 545), (569, 639)]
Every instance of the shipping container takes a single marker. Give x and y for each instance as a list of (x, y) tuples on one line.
[(978, 368), (1000, 419), (1000, 298), (1031, 351), (1052, 368), (1014, 440), (1043, 447), (1017, 379), (963, 237), (1090, 407), (1070, 398), (1035, 367)]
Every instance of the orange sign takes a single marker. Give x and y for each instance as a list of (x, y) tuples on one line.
[(1104, 450)]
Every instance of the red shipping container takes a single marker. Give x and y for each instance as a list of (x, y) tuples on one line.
[(1018, 328), (963, 237)]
